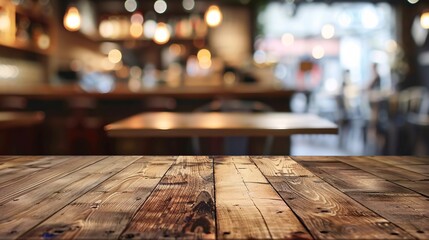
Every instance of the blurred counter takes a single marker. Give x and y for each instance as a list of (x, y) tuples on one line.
[(121, 91)]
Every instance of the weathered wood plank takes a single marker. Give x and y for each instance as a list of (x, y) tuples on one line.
[(349, 179), (421, 187), (26, 165), (422, 169), (381, 169), (16, 187), (6, 158), (411, 213), (26, 211), (104, 212), (402, 160), (247, 206), (403, 207), (181, 206), (316, 158), (418, 165), (326, 211), (12, 161), (281, 166)]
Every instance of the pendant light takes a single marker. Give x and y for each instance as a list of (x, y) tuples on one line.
[(213, 16), (162, 34), (72, 19)]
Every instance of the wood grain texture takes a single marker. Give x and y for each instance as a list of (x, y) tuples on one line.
[(181, 206), (197, 197), (382, 169), (15, 169), (347, 178), (11, 161), (105, 211), (247, 206), (401, 160), (403, 207), (326, 211), (421, 187), (26, 211), (16, 187)]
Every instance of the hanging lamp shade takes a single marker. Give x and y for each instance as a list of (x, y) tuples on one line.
[(72, 20)]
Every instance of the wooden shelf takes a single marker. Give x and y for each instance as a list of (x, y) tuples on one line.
[(16, 14), (34, 16)]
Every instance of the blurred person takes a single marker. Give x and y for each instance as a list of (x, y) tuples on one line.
[(375, 81)]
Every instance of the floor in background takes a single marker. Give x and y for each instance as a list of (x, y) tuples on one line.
[(326, 145)]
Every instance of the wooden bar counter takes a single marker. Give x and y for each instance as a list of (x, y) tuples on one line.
[(220, 197)]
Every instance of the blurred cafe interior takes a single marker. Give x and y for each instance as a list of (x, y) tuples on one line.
[(69, 68)]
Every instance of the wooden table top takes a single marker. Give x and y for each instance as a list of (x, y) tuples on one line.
[(167, 124), (20, 119), (133, 197)]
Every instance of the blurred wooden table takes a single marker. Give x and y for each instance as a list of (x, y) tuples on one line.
[(219, 124), (132, 197), (20, 119)]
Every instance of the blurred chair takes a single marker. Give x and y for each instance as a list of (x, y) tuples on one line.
[(85, 133), (354, 118), (235, 145), (420, 127), (408, 102)]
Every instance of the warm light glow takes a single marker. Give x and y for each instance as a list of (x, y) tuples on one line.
[(72, 19), (149, 28), (328, 31), (175, 49), (205, 64), (160, 6), (4, 22), (424, 20), (204, 55), (137, 18), (288, 39), (413, 1), (162, 34), (318, 52), (204, 58), (44, 41), (106, 29), (115, 56), (8, 71), (213, 16), (136, 30), (391, 46)]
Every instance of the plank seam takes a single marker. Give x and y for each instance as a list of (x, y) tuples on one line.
[(351, 197), (391, 181), (254, 204), (148, 196), (214, 195), (293, 211), (29, 230)]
